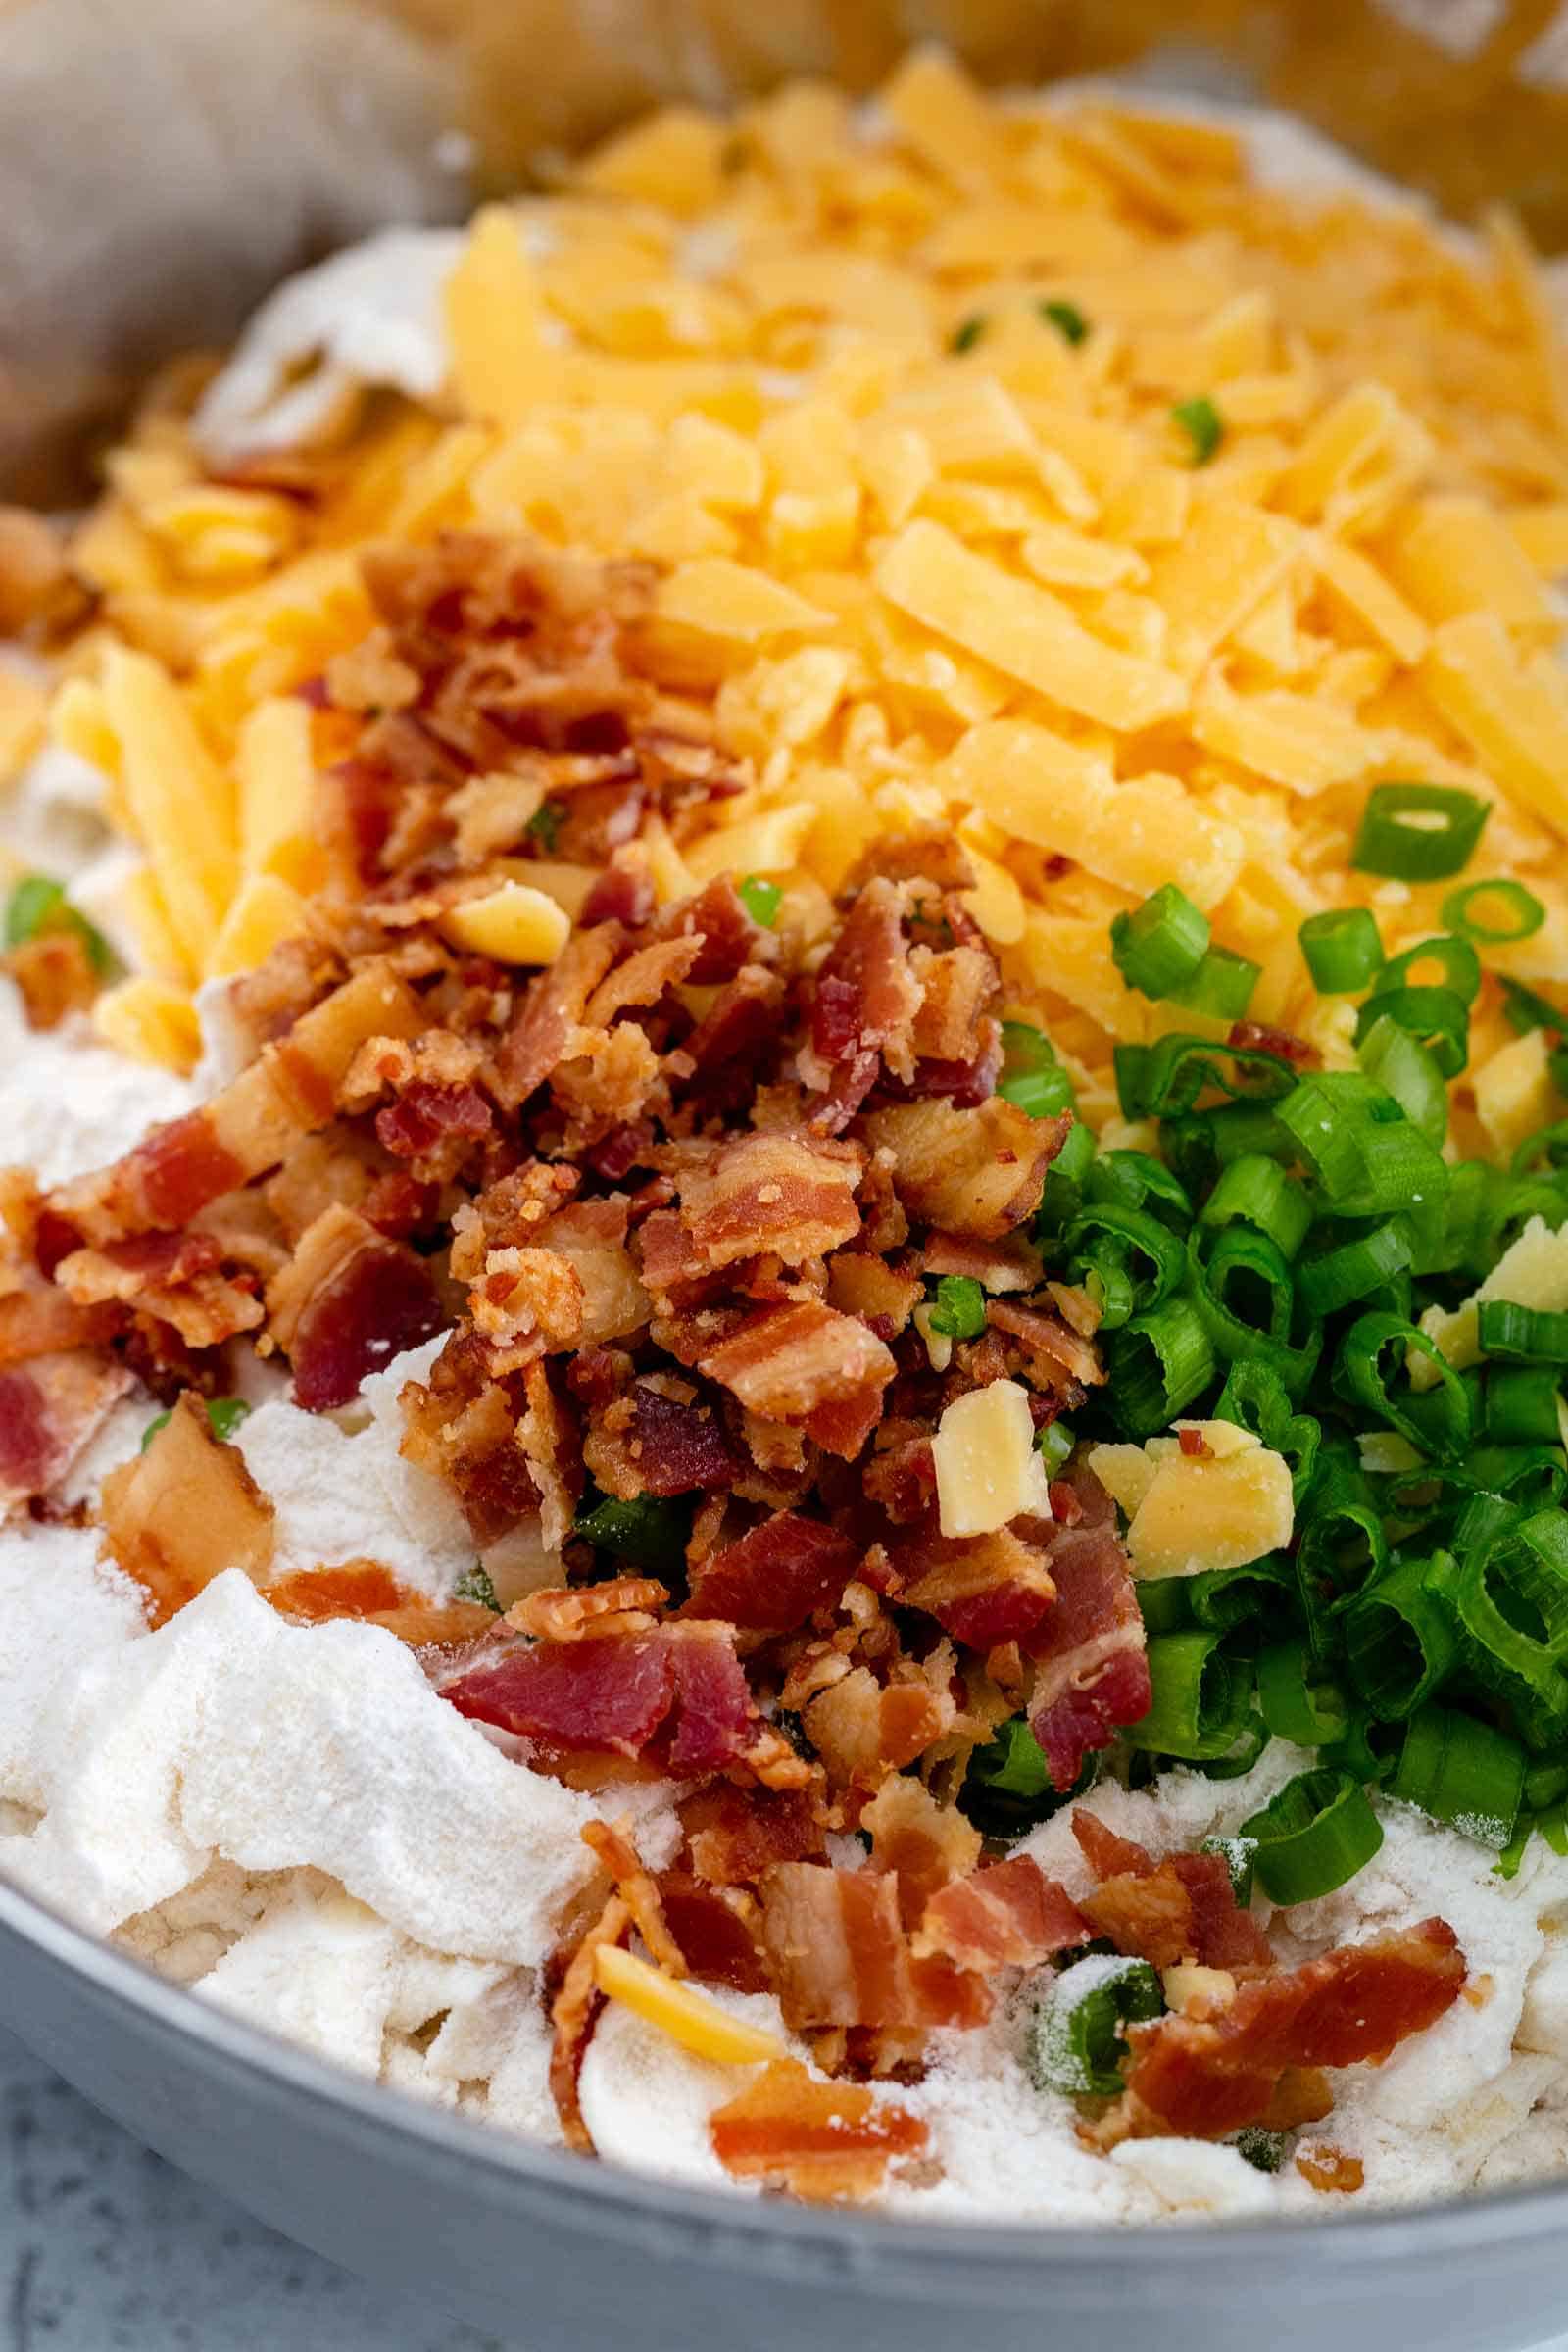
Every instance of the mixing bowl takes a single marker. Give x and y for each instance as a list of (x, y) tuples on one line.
[(161, 163)]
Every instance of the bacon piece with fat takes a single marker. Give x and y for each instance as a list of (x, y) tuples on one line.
[(837, 1947), (975, 1173), (676, 1690), (50, 1407), (822, 2142), (771, 1578), (574, 2013), (1008, 1915), (647, 1443), (785, 1363), (348, 1301), (1054, 1355), (998, 1266), (919, 1842), (981, 1589), (716, 1928), (791, 1195), (734, 1834), (184, 1511), (1092, 1672), (1204, 2079), (617, 1848), (36, 1319), (548, 1023), (866, 999), (730, 939)]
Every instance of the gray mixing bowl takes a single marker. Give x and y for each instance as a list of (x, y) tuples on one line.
[(161, 163)]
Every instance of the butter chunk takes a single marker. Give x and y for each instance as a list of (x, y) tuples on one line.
[(988, 1470)]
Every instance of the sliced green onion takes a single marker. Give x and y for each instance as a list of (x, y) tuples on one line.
[(1243, 1754), (1545, 1781), (1158, 1363), (1065, 1180), (1025, 1046), (1508, 1592), (1340, 1546), (1299, 1703), (38, 905), (1311, 1837), (1516, 913), (1200, 1699), (1167, 1079), (1343, 950), (1528, 1335), (1522, 1404), (1244, 1276), (1134, 1180), (959, 1312), (1239, 1855), (1203, 424), (968, 332), (1454, 958), (1418, 832), (545, 825), (761, 899), (1135, 1261), (1437, 1422), (651, 1531), (1396, 1059), (1068, 319), (1161, 944), (1076, 2044), (1222, 1598), (1439, 1017), (1339, 1277), (1460, 1770), (1054, 1444), (475, 1585), (1221, 987), (1400, 1643), (224, 1417), (1527, 1009), (1255, 1191), (1254, 1398), (1040, 1093), (1162, 1603), (1007, 1787)]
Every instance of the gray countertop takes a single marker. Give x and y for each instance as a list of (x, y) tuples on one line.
[(106, 2248)]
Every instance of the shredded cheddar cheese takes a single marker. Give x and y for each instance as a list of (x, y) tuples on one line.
[(689, 2016), (933, 557)]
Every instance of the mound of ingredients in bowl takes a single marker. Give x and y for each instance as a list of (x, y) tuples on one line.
[(784, 1294)]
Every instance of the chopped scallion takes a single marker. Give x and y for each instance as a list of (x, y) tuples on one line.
[(1508, 911), (1460, 1770), (967, 333), (1076, 2044), (475, 1585), (1527, 1335), (1418, 832), (1160, 946), (959, 1312), (1221, 987), (761, 900), (1317, 1833), (1203, 424), (649, 1530), (1343, 950), (1068, 319)]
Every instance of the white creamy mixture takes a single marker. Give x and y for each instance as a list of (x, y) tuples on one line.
[(290, 1819)]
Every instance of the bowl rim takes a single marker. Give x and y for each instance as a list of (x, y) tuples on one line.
[(771, 2233)]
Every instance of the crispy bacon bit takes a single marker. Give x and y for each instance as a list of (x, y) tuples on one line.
[(982, 1589), (49, 1409), (184, 1511), (567, 1612), (364, 1590), (650, 1443), (1055, 1354), (820, 2140), (734, 1834), (37, 1320), (774, 1578), (1092, 1672), (866, 999), (1106, 1852), (716, 1928), (574, 2013), (1150, 1918), (719, 918), (1009, 1915), (1250, 1035), (793, 1195), (55, 974), (920, 1844), (1203, 2080), (998, 1266), (1193, 1443), (348, 1301), (975, 1173), (786, 1362), (616, 1849), (864, 1730), (611, 1695), (1330, 2170), (837, 1946)]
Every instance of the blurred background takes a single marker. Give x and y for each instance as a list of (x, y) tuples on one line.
[(162, 161)]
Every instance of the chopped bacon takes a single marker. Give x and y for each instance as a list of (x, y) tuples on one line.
[(773, 1578), (920, 1844), (1204, 2079), (867, 997), (569, 1612), (184, 1511), (998, 1266), (610, 1695), (1148, 1917), (548, 1021), (650, 1443), (719, 916), (366, 1590), (49, 1409), (793, 1195), (725, 1047), (976, 1173), (883, 1295), (1252, 1037), (1008, 1915), (616, 1849), (784, 1362), (621, 893), (982, 1589), (837, 1946), (348, 1301), (426, 1114), (1092, 1672), (864, 1730), (957, 987), (714, 1926), (820, 2140), (572, 2016), (1107, 1853), (38, 1320), (1055, 1354), (733, 1835)]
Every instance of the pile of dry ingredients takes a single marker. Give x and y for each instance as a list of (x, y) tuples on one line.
[(1127, 492)]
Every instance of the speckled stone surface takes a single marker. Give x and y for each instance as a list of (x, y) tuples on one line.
[(106, 2248)]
